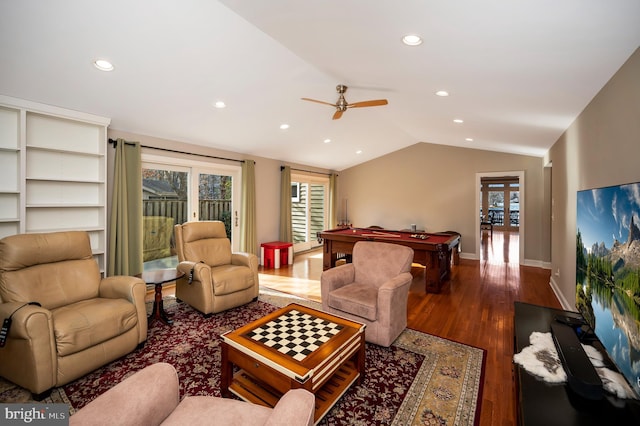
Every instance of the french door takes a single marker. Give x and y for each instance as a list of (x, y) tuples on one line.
[(177, 191), (309, 209)]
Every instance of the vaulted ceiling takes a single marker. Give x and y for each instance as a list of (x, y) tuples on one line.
[(517, 72)]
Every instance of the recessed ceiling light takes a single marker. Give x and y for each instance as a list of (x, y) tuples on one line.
[(469, 139), (327, 140), (220, 104), (442, 93), (103, 65), (284, 126), (412, 40), (359, 151), (457, 120)]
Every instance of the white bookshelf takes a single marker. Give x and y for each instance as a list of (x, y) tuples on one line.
[(53, 169)]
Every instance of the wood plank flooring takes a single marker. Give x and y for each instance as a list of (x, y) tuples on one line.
[(475, 307)]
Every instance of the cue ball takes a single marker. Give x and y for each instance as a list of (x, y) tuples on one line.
[(354, 231)]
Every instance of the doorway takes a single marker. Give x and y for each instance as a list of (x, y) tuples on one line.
[(309, 209), (500, 200)]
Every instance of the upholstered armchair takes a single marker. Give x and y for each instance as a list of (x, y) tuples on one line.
[(151, 397), (372, 290), (215, 278), (66, 319)]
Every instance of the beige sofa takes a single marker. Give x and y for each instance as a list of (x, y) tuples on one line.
[(151, 397), (84, 321), (221, 279)]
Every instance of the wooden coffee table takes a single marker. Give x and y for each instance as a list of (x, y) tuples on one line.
[(293, 347)]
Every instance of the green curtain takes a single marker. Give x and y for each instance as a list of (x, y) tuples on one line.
[(125, 224), (286, 230), (248, 234), (333, 201)]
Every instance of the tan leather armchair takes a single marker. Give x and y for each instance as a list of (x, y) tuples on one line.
[(215, 278), (84, 321), (373, 290)]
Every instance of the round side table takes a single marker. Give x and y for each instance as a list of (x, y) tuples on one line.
[(158, 278)]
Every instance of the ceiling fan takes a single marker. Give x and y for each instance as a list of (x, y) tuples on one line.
[(342, 105)]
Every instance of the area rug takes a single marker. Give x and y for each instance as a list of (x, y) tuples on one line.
[(421, 379)]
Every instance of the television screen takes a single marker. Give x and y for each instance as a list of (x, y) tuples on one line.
[(608, 272)]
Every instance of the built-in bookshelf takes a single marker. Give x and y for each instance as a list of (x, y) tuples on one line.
[(53, 171)]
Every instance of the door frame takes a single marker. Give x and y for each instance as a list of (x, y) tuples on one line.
[(521, 228), (211, 168), (317, 180)]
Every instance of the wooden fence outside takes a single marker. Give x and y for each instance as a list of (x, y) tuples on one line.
[(177, 209)]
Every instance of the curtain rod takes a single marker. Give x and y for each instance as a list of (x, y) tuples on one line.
[(307, 171), (115, 143)]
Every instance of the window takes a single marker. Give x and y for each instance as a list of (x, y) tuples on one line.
[(309, 212), (295, 192), (175, 191)]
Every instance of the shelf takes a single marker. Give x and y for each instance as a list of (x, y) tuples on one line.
[(9, 149), (64, 151), (9, 219), (64, 206), (45, 179)]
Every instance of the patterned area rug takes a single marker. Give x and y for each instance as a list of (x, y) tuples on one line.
[(421, 379)]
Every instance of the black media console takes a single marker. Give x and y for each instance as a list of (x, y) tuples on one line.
[(546, 404)]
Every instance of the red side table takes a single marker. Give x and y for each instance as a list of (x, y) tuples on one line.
[(276, 253)]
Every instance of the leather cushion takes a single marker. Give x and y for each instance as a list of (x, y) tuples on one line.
[(87, 323), (357, 299), (231, 278)]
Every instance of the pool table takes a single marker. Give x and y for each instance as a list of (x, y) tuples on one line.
[(434, 251)]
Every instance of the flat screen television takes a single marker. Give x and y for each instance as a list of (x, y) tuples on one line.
[(608, 272)]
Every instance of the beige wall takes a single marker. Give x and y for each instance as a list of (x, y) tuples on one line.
[(267, 176), (601, 148), (435, 186)]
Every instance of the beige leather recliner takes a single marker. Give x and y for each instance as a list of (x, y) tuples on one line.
[(373, 290), (215, 278), (84, 321)]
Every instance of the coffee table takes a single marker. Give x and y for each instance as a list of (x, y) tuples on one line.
[(293, 347)]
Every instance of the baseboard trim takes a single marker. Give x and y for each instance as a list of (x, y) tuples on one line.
[(563, 301)]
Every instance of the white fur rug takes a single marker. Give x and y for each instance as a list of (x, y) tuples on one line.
[(540, 358)]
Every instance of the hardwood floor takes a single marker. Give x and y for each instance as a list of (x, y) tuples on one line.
[(475, 308)]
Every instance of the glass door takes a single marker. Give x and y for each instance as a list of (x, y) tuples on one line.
[(309, 210), (176, 193), (501, 203)]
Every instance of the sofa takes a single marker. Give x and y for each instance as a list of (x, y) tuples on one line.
[(151, 397)]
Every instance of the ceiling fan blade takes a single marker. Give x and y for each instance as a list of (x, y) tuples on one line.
[(338, 114), (377, 102), (319, 102)]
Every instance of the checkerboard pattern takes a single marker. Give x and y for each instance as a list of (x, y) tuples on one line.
[(295, 334)]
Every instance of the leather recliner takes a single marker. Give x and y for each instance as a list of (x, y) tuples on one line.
[(83, 322), (215, 278)]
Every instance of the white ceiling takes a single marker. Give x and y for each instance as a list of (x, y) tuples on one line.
[(519, 72)]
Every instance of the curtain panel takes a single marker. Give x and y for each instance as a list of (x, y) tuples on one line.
[(286, 227), (125, 223), (248, 232)]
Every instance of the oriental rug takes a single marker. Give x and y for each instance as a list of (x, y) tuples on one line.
[(421, 379)]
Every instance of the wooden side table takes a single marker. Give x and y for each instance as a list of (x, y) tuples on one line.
[(158, 278)]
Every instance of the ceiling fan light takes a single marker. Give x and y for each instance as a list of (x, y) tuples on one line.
[(412, 40)]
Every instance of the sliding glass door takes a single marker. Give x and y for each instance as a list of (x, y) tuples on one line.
[(309, 209), (175, 192)]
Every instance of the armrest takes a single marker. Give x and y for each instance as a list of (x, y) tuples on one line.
[(201, 271), (144, 398), (249, 260), (296, 407), (29, 356), (132, 289), (392, 300), (337, 277)]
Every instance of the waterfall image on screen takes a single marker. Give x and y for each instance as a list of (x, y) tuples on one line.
[(608, 272)]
